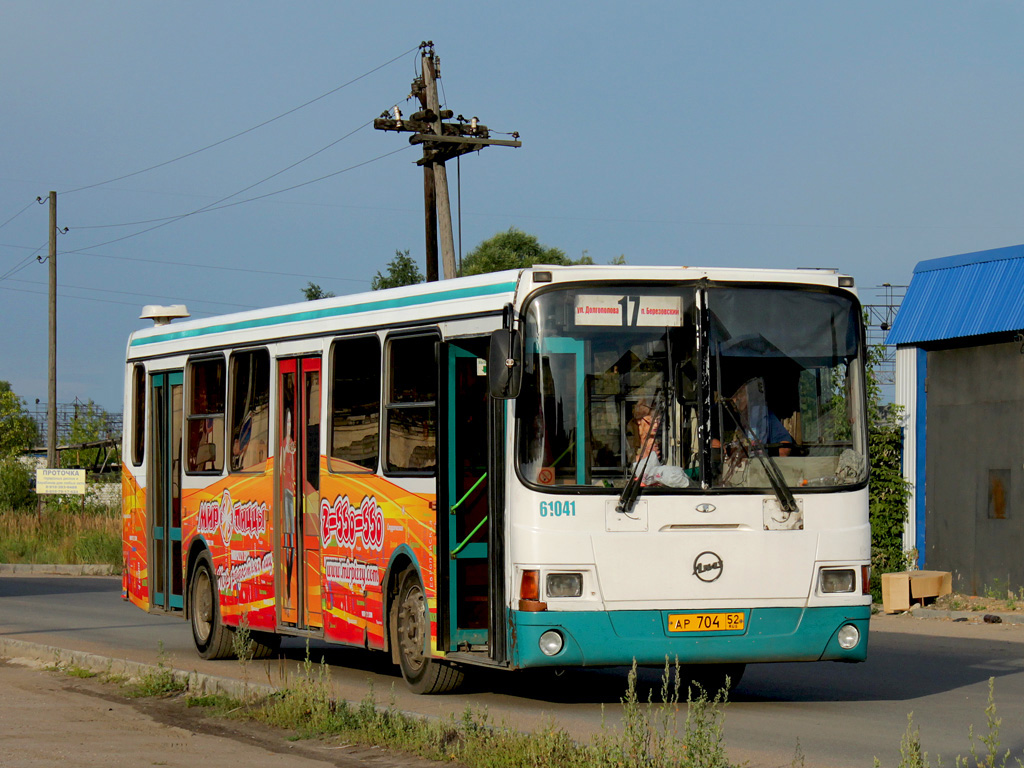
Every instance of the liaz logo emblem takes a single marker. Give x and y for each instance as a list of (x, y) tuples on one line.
[(707, 566)]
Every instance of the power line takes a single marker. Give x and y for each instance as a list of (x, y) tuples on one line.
[(191, 265), (24, 262), (87, 298), (247, 130), (16, 215), (223, 199), (214, 207), (143, 295)]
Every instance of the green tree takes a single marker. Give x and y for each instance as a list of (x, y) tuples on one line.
[(17, 428), (513, 249), (90, 424), (401, 270), (889, 492), (312, 292)]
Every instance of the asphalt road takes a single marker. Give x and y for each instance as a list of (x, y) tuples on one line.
[(840, 714)]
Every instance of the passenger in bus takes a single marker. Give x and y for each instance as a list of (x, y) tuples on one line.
[(643, 436)]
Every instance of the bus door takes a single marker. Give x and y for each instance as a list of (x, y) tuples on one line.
[(472, 492), (297, 512), (165, 492)]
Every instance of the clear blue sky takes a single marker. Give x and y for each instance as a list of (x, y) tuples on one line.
[(861, 135)]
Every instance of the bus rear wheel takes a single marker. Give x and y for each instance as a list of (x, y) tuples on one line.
[(212, 638), (423, 674)]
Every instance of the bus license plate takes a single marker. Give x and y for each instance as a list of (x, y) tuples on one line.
[(706, 622)]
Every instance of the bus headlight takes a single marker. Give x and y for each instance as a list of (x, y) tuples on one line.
[(564, 585), (551, 642), (837, 580), (848, 637)]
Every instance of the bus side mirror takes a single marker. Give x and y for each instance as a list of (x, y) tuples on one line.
[(505, 364)]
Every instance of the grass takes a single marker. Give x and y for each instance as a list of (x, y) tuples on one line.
[(61, 535), (648, 738), (650, 735), (161, 681)]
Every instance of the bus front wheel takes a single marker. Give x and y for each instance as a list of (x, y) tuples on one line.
[(213, 640), (422, 673)]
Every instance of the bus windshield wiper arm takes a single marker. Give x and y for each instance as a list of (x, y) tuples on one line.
[(631, 490), (771, 469)]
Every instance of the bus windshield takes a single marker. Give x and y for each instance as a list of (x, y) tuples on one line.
[(691, 388)]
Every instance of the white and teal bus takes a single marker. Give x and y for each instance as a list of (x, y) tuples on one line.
[(551, 467)]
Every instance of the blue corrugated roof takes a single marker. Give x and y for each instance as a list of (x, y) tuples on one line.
[(966, 295)]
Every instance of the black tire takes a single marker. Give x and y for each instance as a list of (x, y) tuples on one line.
[(212, 638), (423, 674), (712, 679), (265, 645)]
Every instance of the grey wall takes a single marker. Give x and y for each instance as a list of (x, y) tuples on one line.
[(974, 503)]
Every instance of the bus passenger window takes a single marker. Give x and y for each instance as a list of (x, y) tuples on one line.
[(412, 405), (205, 452), (138, 415), (355, 405), (250, 410)]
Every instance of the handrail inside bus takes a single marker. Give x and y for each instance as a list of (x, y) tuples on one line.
[(466, 494), (466, 540)]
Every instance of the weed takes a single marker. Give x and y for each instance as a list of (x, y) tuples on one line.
[(160, 681), (957, 603), (220, 702), (995, 590), (990, 740), (77, 671), (912, 755), (243, 645), (798, 756)]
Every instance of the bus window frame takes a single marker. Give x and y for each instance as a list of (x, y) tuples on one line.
[(138, 416), (387, 407), (188, 416), (381, 347), (229, 407)]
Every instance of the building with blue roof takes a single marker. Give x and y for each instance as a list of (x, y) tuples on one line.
[(959, 337)]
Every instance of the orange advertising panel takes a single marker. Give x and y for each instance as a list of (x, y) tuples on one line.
[(361, 520), (364, 519), (134, 566), (233, 517)]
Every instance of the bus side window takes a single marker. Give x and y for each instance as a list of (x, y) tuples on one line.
[(249, 387), (138, 416), (205, 446), (355, 405), (411, 405)]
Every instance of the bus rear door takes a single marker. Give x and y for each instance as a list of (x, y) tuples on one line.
[(165, 494)]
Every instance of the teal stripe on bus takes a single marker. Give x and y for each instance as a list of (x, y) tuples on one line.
[(318, 314)]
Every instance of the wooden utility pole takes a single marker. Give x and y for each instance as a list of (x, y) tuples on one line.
[(444, 208), (51, 405), (441, 142)]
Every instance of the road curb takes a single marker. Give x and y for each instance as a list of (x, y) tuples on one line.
[(21, 651), (36, 569)]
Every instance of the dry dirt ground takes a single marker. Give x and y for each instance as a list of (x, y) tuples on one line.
[(52, 719)]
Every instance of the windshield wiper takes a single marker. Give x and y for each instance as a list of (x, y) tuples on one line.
[(631, 490), (787, 502)]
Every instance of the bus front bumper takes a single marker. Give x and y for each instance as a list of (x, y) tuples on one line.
[(613, 638)]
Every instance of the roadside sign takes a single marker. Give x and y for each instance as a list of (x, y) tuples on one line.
[(60, 481)]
